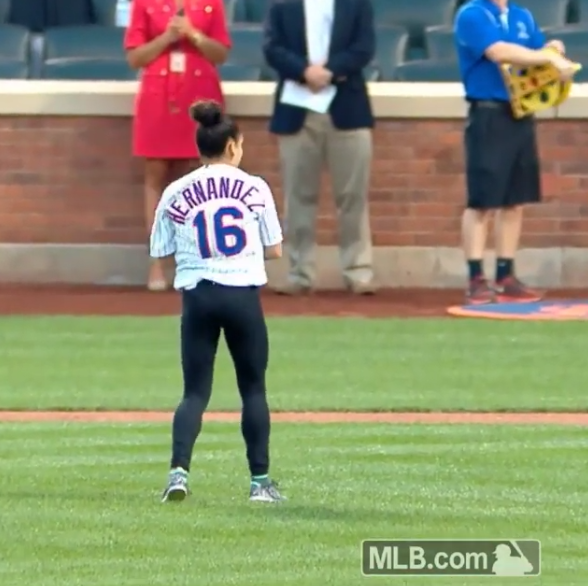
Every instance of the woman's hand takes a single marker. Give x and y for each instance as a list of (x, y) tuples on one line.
[(173, 32), (183, 26)]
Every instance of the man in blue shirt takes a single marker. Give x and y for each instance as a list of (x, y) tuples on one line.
[(502, 163)]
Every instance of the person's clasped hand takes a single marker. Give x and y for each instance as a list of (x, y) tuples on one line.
[(173, 30), (317, 77), (557, 45), (184, 26), (180, 27)]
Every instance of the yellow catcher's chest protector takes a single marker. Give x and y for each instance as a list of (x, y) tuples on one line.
[(535, 88)]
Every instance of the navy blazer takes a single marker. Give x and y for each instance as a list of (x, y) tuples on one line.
[(353, 46)]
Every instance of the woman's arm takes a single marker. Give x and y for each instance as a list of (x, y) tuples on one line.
[(272, 252), (140, 49), (141, 56), (212, 49), (215, 45)]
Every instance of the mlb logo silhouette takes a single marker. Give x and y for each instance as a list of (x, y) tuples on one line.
[(507, 564)]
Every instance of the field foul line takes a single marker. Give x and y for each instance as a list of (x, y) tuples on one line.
[(302, 417)]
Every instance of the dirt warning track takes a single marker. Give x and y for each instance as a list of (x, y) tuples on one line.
[(304, 417), (135, 301)]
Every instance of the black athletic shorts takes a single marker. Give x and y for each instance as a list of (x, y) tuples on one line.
[(502, 162)]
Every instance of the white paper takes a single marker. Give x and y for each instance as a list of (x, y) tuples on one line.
[(295, 94)]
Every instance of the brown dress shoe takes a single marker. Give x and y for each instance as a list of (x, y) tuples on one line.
[(362, 288), (293, 289)]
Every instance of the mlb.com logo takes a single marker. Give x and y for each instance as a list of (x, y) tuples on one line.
[(443, 557)]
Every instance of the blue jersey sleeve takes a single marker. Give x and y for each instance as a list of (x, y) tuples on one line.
[(476, 30), (163, 234)]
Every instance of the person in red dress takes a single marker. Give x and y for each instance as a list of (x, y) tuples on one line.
[(177, 44)]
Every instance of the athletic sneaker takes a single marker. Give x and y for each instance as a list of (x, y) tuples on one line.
[(177, 488), (480, 292), (511, 290), (265, 491)]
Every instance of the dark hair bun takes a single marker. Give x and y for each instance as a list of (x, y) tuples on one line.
[(207, 114)]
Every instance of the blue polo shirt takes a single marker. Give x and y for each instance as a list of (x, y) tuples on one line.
[(478, 25)]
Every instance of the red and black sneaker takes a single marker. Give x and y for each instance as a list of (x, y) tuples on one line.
[(480, 292), (511, 290)]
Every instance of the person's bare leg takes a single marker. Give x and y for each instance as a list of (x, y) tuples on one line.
[(475, 235), (474, 227), (507, 234), (156, 177), (182, 167)]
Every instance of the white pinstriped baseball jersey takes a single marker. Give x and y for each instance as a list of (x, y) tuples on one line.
[(216, 221)]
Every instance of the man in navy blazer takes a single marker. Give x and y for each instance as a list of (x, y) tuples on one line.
[(322, 115)]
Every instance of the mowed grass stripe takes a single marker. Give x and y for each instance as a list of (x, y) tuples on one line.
[(81, 502), (316, 364)]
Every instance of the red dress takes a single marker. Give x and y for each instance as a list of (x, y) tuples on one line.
[(162, 128)]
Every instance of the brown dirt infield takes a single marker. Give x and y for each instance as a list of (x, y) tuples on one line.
[(106, 300), (301, 417), (19, 300)]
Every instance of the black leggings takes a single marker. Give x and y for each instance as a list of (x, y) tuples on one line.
[(237, 311)]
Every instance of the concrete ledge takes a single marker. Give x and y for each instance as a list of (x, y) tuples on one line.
[(247, 99), (395, 266)]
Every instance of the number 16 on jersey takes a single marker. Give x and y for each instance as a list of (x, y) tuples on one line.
[(222, 234)]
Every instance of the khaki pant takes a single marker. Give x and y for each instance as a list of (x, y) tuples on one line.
[(347, 154)]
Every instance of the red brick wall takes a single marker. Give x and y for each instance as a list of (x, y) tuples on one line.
[(72, 180)]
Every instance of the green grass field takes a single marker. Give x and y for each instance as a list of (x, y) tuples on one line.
[(80, 502), (316, 364)]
